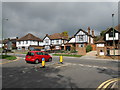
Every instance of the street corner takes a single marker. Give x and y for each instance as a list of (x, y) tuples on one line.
[(5, 61), (109, 84)]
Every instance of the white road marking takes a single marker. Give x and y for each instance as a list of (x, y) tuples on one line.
[(66, 64)]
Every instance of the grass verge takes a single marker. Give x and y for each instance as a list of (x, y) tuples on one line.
[(8, 57), (24, 52), (67, 55)]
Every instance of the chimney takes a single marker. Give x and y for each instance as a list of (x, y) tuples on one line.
[(93, 33), (16, 37), (88, 30)]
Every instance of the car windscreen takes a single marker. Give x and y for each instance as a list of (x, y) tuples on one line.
[(30, 54)]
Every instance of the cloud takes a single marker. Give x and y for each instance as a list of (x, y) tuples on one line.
[(42, 18)]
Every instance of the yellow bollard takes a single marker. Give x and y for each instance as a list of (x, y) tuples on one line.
[(61, 59), (43, 62)]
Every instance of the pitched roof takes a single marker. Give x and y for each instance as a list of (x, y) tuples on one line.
[(29, 36), (84, 32), (101, 40), (58, 36), (5, 41), (117, 28)]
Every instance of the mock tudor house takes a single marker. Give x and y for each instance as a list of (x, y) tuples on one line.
[(9, 43), (55, 41), (28, 41), (109, 44), (81, 39)]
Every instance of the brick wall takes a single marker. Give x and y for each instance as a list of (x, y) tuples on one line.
[(93, 47), (81, 50), (99, 49)]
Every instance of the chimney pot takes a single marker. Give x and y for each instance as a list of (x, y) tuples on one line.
[(88, 30), (92, 32)]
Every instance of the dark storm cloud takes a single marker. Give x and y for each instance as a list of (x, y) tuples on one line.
[(41, 18)]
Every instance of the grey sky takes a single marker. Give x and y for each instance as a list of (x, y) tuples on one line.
[(42, 18)]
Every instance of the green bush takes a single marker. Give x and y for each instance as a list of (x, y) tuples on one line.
[(62, 51), (67, 55), (88, 48), (73, 51)]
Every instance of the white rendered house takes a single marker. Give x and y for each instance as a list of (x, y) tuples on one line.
[(24, 42)]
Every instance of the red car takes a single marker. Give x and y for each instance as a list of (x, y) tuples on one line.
[(36, 56)]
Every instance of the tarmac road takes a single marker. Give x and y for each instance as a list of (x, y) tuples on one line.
[(73, 73)]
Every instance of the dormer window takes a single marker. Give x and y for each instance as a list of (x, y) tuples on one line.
[(111, 34), (46, 41), (80, 38)]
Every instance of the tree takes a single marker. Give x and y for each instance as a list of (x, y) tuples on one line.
[(103, 32), (65, 33)]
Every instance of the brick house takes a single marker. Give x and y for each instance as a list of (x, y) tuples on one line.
[(81, 39), (106, 46), (55, 41), (28, 41)]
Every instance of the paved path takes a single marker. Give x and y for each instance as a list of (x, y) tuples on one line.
[(92, 56), (91, 53)]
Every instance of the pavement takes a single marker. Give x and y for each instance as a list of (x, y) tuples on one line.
[(73, 73)]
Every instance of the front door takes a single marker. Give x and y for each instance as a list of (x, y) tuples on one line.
[(67, 48), (108, 51)]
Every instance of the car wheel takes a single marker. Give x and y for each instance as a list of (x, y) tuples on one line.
[(50, 59), (36, 61), (26, 61)]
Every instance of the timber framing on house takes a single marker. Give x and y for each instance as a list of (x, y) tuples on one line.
[(109, 44)]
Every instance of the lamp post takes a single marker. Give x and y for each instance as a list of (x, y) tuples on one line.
[(3, 19), (113, 34)]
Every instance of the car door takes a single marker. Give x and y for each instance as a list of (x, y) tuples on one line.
[(45, 56), (40, 55)]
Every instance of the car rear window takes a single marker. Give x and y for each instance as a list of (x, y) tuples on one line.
[(30, 54)]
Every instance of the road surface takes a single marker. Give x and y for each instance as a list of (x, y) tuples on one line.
[(75, 72)]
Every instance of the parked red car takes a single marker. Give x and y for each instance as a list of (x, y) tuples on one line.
[(36, 56)]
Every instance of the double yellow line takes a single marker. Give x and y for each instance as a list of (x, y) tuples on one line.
[(105, 84)]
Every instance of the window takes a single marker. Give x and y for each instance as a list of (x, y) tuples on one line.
[(30, 54), (26, 42), (81, 45), (111, 34), (110, 43), (39, 53), (80, 38), (57, 41), (46, 41), (43, 53), (57, 47), (47, 47), (52, 41), (19, 48), (19, 42)]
